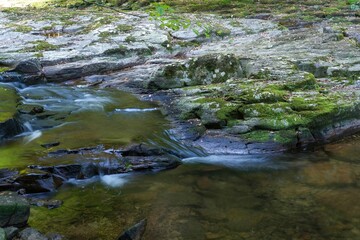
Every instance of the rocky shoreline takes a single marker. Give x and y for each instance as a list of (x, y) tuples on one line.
[(246, 86)]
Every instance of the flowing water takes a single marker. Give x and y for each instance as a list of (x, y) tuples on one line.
[(286, 196), (75, 118)]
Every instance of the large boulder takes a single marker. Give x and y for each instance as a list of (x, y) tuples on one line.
[(14, 210)]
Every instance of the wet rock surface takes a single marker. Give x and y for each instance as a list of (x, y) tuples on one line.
[(42, 179), (272, 88)]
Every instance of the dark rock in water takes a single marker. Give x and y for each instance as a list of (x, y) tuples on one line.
[(10, 128), (27, 71), (78, 171), (36, 110), (54, 236), (156, 163), (38, 182), (88, 170), (50, 145), (6, 174), (66, 171), (7, 178), (11, 232), (14, 210), (135, 232), (48, 203), (30, 234), (142, 150), (30, 66)]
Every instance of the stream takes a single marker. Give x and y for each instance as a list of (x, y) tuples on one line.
[(312, 195)]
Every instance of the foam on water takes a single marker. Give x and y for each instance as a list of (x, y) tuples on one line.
[(32, 136), (235, 161), (134, 110), (115, 180)]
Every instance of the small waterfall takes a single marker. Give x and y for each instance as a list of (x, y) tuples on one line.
[(33, 135), (166, 140), (28, 127)]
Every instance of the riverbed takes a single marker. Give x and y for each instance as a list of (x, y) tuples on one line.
[(312, 195)]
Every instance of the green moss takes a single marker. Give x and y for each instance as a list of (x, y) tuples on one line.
[(308, 83), (264, 109), (105, 20), (268, 94), (257, 136), (8, 103), (38, 55), (23, 29), (130, 39), (229, 113), (282, 137), (124, 28), (122, 50), (40, 45), (188, 43), (4, 68), (106, 34)]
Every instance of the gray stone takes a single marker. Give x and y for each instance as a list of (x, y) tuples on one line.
[(31, 66), (11, 232), (14, 210), (31, 234)]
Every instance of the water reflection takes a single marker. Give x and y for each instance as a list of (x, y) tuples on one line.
[(288, 196)]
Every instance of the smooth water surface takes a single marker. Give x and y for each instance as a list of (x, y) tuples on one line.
[(287, 196)]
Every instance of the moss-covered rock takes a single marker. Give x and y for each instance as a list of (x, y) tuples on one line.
[(9, 124), (293, 113), (207, 69)]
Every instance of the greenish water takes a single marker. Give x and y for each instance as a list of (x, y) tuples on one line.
[(293, 196), (77, 118), (287, 196)]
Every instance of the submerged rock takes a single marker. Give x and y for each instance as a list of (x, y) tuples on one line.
[(135, 232), (39, 182), (30, 234), (14, 210)]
